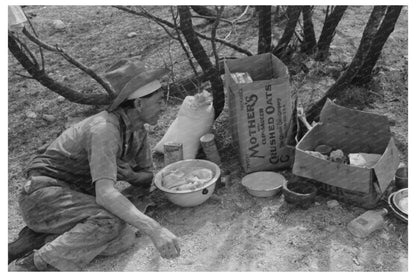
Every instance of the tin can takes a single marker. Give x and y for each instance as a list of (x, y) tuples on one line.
[(173, 152), (401, 178), (210, 148)]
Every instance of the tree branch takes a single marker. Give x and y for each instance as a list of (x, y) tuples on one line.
[(213, 34), (26, 48), (345, 79), (328, 31), (386, 28), (213, 18), (171, 25), (202, 58), (144, 13), (309, 40), (42, 58), (73, 61), (265, 30), (235, 47), (174, 18), (44, 79), (24, 76), (293, 13)]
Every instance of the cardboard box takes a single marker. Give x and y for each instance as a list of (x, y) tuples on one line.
[(352, 131), (261, 112)]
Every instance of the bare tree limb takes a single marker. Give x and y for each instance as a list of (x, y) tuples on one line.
[(345, 79), (26, 48), (293, 13), (202, 58), (204, 12), (73, 61), (309, 40), (328, 32), (175, 17), (265, 30), (41, 76), (386, 28), (241, 15), (144, 13), (214, 33), (42, 58), (233, 46), (158, 21), (24, 76), (213, 18), (171, 25)]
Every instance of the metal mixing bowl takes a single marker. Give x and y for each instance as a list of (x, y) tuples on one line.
[(263, 183), (189, 198)]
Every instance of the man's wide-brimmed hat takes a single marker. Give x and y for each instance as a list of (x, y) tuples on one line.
[(127, 76)]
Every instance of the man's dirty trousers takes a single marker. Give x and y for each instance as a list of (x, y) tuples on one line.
[(82, 230)]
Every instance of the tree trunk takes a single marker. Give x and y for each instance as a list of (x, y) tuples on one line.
[(346, 78), (386, 28), (265, 29), (309, 40), (328, 32), (45, 80), (203, 60), (293, 13)]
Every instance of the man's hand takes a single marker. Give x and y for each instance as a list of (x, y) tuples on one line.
[(125, 172), (166, 243)]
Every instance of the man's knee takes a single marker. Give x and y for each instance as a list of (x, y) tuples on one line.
[(108, 223), (124, 241)]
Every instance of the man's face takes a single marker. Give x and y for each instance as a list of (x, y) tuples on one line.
[(151, 107)]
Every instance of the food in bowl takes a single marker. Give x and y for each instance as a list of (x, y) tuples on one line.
[(186, 178), (403, 204)]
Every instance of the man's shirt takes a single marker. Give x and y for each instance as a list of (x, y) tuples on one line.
[(90, 150)]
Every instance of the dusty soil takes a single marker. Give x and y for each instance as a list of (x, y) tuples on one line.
[(232, 231)]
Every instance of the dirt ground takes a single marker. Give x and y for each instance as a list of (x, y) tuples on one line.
[(231, 231)]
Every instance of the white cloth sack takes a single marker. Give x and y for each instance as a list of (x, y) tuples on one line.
[(17, 18), (194, 119)]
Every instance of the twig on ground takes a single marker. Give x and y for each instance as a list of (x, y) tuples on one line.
[(24, 76)]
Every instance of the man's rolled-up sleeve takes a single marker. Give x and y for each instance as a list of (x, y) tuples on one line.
[(104, 144)]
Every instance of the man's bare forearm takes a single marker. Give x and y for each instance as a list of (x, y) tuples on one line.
[(112, 200)]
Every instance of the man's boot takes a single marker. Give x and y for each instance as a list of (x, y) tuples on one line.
[(25, 263), (27, 241), (30, 263)]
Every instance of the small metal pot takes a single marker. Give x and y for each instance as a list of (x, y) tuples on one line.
[(401, 178), (300, 193)]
